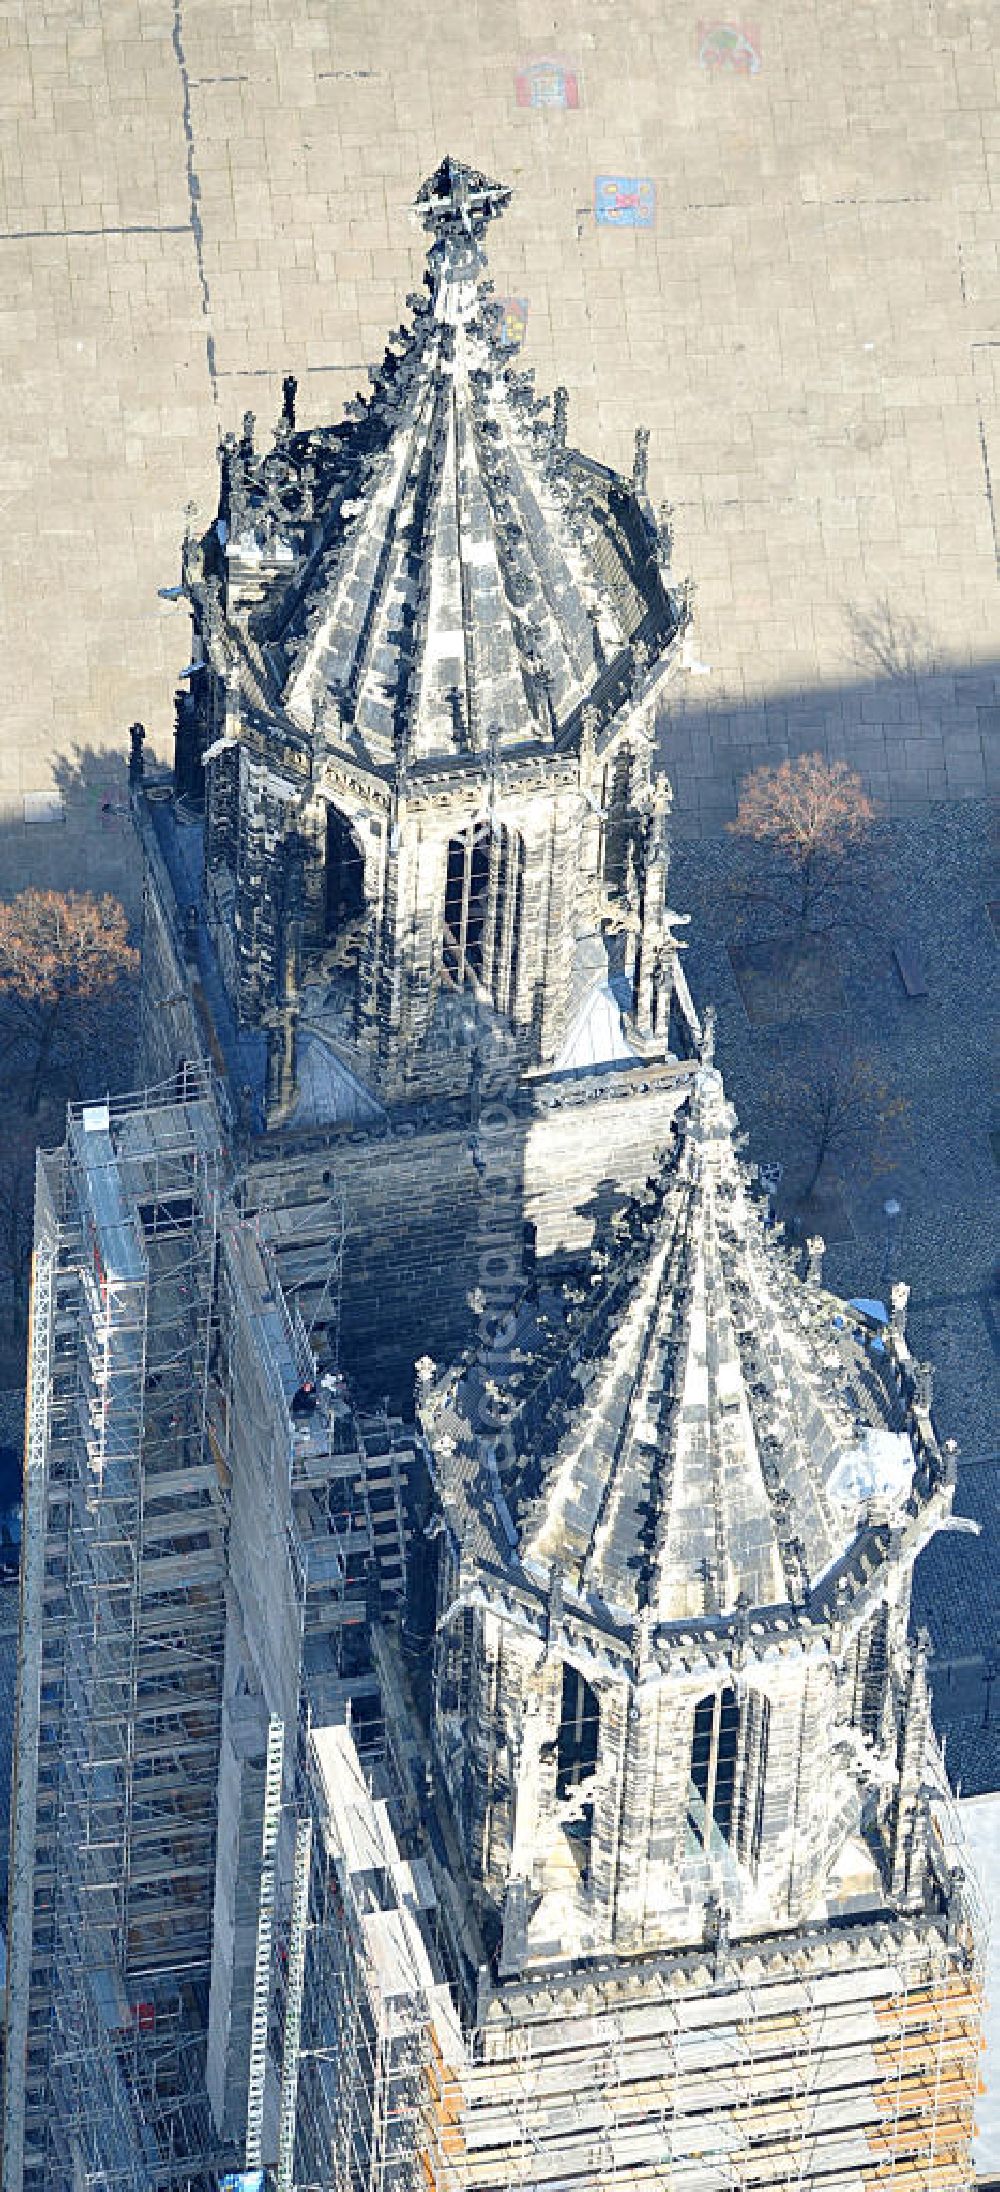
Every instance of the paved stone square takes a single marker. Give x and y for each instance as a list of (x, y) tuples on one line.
[(197, 197)]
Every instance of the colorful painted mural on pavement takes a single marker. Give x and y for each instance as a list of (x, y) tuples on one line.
[(734, 46), (512, 321), (625, 201), (547, 83)]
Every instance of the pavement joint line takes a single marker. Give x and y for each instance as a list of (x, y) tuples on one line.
[(917, 198), (265, 373), (989, 483), (111, 228), (194, 198)]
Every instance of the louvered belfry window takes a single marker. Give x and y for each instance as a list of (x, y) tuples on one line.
[(728, 1761), (579, 1736), (345, 874), (483, 905)]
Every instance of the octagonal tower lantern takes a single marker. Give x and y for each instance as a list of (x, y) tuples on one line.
[(429, 646)]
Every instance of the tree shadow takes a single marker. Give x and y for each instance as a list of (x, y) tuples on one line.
[(889, 639), (78, 838), (917, 730), (79, 834)]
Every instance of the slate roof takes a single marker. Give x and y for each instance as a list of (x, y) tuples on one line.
[(440, 573), (692, 1426)]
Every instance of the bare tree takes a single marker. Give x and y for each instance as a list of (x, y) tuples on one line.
[(811, 818), (835, 1103), (65, 960)]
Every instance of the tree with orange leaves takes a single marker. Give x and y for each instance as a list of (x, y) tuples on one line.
[(812, 816), (65, 958)]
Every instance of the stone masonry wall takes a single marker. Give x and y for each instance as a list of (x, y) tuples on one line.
[(436, 1214)]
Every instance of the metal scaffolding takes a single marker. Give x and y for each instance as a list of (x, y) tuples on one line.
[(315, 1499), (850, 2059), (197, 1498), (365, 2026), (121, 1637)]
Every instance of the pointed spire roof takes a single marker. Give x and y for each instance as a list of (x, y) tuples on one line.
[(468, 582), (459, 201), (699, 1430)]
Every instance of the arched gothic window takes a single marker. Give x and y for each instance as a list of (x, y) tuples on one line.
[(619, 826), (873, 1675), (728, 1764), (345, 875), (579, 1735), (483, 909), (713, 1765)]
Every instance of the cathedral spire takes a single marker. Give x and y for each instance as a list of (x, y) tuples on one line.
[(458, 200), (401, 623), (716, 1433), (427, 561), (456, 205), (685, 1561)]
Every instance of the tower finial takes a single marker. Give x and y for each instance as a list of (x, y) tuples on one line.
[(706, 1047), (458, 200), (640, 461)]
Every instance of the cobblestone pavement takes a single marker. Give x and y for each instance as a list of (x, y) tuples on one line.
[(197, 195), (12, 1417), (932, 884)]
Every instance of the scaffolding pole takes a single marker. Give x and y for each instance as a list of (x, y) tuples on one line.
[(25, 1765), (297, 1938), (265, 1935)]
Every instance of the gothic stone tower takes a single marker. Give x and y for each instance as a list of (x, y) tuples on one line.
[(433, 640), (416, 843), (680, 1733)]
